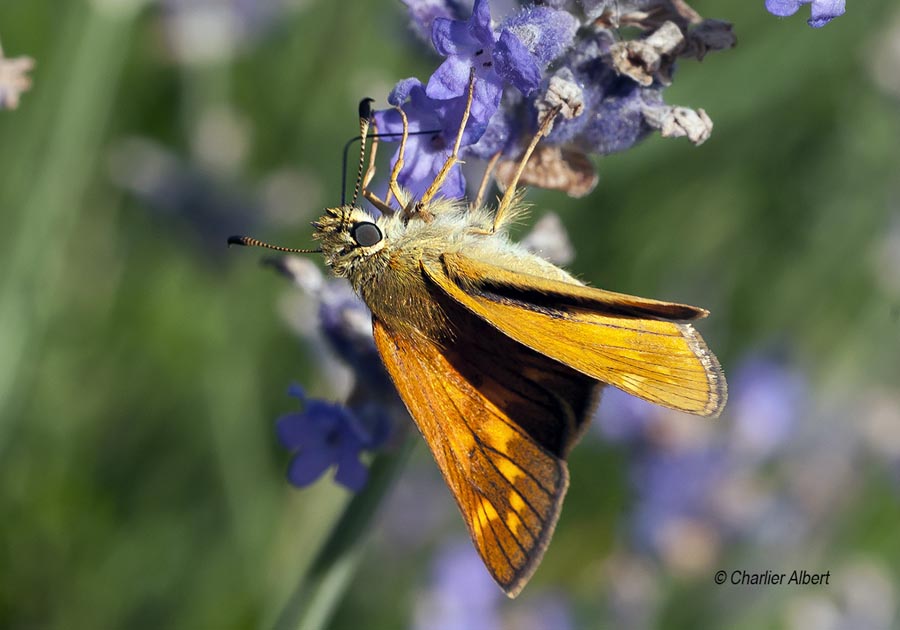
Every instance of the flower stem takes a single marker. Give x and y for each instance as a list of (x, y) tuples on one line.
[(313, 602)]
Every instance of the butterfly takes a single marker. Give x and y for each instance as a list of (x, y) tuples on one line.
[(499, 355)]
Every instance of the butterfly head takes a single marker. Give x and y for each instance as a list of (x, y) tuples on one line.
[(349, 237)]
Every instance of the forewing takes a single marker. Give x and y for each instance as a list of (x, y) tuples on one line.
[(509, 487), (540, 291), (628, 342)]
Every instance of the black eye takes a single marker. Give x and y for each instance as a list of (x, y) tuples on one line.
[(366, 234)]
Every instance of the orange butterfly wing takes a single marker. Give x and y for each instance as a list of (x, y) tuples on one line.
[(509, 486), (625, 341)]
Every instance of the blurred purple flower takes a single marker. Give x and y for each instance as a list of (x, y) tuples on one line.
[(545, 611), (697, 486), (821, 12), (622, 417), (195, 199), (766, 399), (342, 319), (347, 325), (423, 13), (674, 486), (326, 434), (462, 595), (202, 32)]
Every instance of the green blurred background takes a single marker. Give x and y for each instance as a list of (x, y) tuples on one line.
[(142, 364)]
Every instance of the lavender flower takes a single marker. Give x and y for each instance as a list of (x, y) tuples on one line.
[(547, 610), (201, 32), (624, 418), (462, 594), (697, 487), (425, 154), (515, 55), (173, 188), (498, 58), (675, 487), (821, 12), (335, 314), (540, 58), (766, 402), (327, 434)]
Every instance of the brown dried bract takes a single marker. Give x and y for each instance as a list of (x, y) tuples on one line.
[(563, 93), (677, 122), (646, 15), (553, 168), (651, 58), (708, 36)]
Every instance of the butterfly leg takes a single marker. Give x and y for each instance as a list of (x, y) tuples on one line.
[(485, 181), (373, 199), (370, 196), (453, 159), (393, 186), (510, 197), (370, 170)]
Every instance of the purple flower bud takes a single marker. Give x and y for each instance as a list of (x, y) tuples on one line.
[(423, 13), (515, 65), (544, 32), (821, 13)]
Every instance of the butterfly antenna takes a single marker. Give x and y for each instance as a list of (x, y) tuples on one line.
[(249, 241), (365, 118)]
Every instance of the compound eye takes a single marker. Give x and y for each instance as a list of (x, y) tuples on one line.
[(366, 234)]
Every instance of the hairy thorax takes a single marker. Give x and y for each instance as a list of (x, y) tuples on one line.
[(388, 274)]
